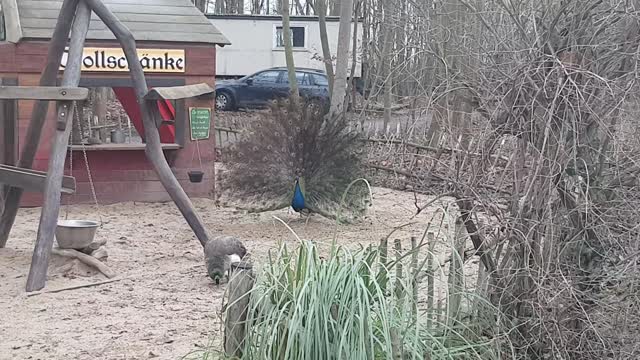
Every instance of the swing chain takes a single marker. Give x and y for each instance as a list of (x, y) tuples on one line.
[(86, 162), (66, 208)]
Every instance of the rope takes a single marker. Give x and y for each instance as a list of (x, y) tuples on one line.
[(193, 154), (199, 158)]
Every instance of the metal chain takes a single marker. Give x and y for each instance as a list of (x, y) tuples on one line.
[(66, 208), (86, 162)]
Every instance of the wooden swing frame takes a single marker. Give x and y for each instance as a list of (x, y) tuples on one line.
[(73, 20)]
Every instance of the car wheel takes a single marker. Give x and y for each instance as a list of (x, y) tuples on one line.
[(224, 102)]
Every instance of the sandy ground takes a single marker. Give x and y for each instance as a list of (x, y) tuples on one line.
[(166, 306)]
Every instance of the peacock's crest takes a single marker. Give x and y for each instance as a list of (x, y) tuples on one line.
[(298, 158)]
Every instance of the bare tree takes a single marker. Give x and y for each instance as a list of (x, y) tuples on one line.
[(342, 57), (200, 4), (288, 50), (321, 10)]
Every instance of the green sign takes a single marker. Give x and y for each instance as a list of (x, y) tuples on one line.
[(200, 121)]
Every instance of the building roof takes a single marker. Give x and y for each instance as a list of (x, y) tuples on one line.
[(148, 20)]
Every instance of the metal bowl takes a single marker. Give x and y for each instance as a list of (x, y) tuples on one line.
[(75, 234)]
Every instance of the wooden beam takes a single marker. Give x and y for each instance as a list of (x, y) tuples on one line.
[(121, 147), (32, 180), (153, 148), (179, 92), (38, 114), (51, 206), (42, 93)]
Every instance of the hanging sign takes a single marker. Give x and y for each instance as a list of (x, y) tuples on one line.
[(200, 123), (114, 60)]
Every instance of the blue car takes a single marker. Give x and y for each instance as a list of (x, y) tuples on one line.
[(258, 89)]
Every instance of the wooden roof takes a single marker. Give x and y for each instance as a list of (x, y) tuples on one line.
[(148, 20)]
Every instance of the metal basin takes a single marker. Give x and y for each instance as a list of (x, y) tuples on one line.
[(75, 234)]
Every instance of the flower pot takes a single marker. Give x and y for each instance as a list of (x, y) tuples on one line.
[(195, 176)]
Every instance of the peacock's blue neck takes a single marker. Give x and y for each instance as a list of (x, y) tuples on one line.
[(297, 203)]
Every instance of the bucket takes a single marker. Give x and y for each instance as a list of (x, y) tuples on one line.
[(75, 234), (117, 136), (195, 176)]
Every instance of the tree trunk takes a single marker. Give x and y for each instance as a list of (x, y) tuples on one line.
[(321, 8), (299, 7), (386, 62), (201, 5), (220, 8), (288, 51), (354, 56), (366, 31), (334, 8), (344, 35)]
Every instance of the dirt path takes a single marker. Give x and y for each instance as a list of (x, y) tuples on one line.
[(166, 306)]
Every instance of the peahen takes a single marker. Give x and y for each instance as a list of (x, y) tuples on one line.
[(219, 253), (291, 148)]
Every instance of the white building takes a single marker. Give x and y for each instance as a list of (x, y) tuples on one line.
[(257, 44)]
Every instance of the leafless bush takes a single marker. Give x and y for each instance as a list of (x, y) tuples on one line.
[(552, 158)]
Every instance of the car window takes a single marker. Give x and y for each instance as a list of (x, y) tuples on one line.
[(266, 77), (320, 80), (302, 78)]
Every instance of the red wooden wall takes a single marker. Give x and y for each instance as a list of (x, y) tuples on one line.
[(118, 175)]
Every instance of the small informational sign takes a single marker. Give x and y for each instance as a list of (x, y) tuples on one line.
[(114, 60), (199, 122)]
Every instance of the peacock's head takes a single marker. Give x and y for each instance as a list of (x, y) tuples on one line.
[(216, 275)]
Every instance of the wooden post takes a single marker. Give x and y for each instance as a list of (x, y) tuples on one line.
[(396, 342), (235, 327), (153, 147), (414, 277), (431, 241), (39, 114), (8, 129), (383, 271), (51, 207)]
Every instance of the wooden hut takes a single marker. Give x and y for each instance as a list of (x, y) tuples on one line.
[(176, 46)]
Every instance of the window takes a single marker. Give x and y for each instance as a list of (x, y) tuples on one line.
[(267, 77), (320, 80), (112, 105), (301, 77), (297, 36)]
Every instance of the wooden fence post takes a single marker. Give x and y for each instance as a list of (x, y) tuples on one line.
[(241, 282)]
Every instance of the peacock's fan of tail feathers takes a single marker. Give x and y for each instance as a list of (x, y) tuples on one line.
[(290, 142)]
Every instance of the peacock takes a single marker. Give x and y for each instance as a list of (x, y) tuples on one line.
[(219, 253), (297, 158)]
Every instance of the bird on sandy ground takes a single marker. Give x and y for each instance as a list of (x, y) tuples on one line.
[(297, 159), (220, 252)]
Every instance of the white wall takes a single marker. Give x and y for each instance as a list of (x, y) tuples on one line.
[(253, 46)]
